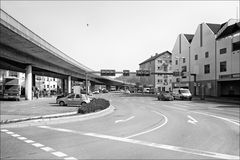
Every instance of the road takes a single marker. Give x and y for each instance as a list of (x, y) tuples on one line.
[(139, 128)]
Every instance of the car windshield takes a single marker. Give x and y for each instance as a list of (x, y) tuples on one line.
[(184, 91)]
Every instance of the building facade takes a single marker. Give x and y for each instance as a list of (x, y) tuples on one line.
[(159, 63), (181, 59), (205, 59), (228, 61)]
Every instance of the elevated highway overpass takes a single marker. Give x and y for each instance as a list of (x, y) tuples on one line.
[(24, 51)]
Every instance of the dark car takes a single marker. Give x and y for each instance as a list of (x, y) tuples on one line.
[(165, 96)]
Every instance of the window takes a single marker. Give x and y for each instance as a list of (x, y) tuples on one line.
[(165, 68), (176, 62), (223, 66), (184, 60), (54, 86), (223, 50), (206, 54), (159, 61), (236, 46), (207, 68), (47, 86), (196, 57), (159, 68), (184, 68), (159, 80)]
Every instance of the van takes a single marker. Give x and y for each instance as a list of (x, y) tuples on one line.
[(182, 93)]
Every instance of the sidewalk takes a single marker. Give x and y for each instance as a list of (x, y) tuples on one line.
[(219, 99), (13, 110)]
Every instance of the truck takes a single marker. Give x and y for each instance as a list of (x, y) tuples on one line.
[(10, 88)]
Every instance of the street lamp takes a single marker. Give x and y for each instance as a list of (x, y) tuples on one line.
[(179, 67)]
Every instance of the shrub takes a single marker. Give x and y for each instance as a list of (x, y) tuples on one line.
[(94, 105)]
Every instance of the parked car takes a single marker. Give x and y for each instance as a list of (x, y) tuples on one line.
[(182, 93), (96, 92), (73, 100), (104, 90), (127, 91), (165, 96), (61, 96)]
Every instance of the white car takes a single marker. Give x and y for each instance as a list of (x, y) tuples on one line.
[(74, 100)]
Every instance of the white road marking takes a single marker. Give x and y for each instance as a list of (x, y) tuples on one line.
[(155, 145), (192, 120), (70, 158), (59, 154), (226, 119), (15, 135), (29, 141), (124, 120), (153, 129), (9, 132), (218, 109), (22, 138), (37, 145), (4, 130), (47, 149)]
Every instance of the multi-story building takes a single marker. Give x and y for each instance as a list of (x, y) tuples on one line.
[(204, 55), (228, 61), (48, 84), (181, 59), (159, 63)]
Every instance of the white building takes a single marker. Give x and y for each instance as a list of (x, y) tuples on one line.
[(228, 61), (159, 63), (181, 60), (202, 57)]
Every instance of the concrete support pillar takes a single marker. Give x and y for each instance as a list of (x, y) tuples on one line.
[(63, 85), (28, 83), (33, 80), (92, 87), (108, 87), (69, 84)]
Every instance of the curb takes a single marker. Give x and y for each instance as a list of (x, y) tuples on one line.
[(68, 114)]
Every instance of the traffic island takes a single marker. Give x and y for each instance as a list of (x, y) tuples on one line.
[(94, 105)]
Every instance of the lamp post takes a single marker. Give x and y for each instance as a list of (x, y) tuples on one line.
[(179, 69)]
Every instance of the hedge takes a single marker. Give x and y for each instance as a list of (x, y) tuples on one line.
[(94, 105)]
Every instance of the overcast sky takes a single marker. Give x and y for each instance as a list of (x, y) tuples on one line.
[(116, 34)]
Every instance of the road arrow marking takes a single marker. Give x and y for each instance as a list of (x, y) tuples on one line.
[(192, 120), (124, 120)]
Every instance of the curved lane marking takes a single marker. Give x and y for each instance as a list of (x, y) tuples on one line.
[(153, 129), (236, 122), (124, 120), (226, 119)]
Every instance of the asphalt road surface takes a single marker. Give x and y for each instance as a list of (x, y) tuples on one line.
[(139, 128)]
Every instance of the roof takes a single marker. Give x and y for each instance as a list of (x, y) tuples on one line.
[(214, 27), (189, 37), (230, 30), (154, 57)]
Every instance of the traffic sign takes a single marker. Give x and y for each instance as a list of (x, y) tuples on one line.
[(107, 72), (142, 73), (126, 72)]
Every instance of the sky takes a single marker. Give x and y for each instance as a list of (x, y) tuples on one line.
[(116, 34)]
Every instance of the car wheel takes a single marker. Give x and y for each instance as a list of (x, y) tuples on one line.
[(61, 103)]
